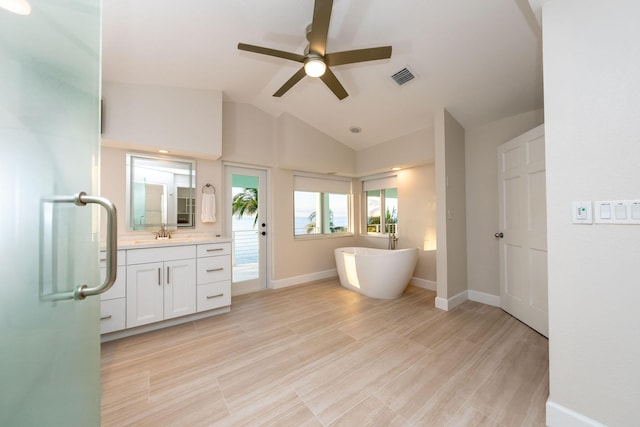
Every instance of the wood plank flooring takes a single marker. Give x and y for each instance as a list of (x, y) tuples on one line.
[(321, 355)]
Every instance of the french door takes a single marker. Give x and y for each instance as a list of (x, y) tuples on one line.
[(247, 224), (49, 135), (523, 229)]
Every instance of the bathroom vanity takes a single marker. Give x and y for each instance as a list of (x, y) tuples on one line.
[(165, 282)]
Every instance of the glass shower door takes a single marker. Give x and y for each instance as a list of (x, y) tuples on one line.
[(49, 141)]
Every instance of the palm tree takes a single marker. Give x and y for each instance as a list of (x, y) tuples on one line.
[(246, 203), (312, 222)]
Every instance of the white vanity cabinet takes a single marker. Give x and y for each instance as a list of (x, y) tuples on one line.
[(112, 302), (214, 276), (161, 284)]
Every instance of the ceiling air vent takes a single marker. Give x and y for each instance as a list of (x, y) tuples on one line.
[(403, 76)]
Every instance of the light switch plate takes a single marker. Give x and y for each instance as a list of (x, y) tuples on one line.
[(603, 212), (620, 211), (582, 213), (634, 211)]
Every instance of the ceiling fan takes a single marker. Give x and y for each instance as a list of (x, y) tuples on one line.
[(315, 59)]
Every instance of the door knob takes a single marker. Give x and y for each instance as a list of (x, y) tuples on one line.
[(499, 235)]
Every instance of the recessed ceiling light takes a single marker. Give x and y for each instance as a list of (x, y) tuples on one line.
[(355, 129), (20, 7), (163, 151)]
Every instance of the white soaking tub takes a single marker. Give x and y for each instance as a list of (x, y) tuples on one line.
[(377, 273)]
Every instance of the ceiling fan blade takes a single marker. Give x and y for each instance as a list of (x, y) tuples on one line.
[(289, 84), (320, 26), (271, 52), (332, 83), (359, 55)]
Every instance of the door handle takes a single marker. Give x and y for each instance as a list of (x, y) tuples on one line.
[(499, 235), (83, 291)]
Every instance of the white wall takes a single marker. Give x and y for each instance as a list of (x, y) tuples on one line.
[(481, 170), (302, 147), (248, 135), (187, 122), (450, 210), (592, 106), (409, 150)]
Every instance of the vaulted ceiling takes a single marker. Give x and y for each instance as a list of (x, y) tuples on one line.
[(479, 59)]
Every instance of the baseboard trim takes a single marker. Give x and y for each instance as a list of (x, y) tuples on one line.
[(484, 298), (451, 303), (123, 333), (304, 278), (561, 416), (423, 283)]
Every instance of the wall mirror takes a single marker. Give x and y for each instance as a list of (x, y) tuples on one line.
[(160, 190)]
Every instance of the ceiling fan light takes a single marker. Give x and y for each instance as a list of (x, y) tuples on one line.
[(314, 67)]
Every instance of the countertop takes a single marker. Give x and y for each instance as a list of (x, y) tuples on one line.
[(150, 242)]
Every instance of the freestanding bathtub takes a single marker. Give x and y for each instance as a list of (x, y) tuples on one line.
[(377, 273)]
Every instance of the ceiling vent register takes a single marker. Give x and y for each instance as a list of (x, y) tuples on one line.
[(403, 76)]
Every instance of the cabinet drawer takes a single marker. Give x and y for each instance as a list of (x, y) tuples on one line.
[(112, 315), (119, 289), (214, 249), (142, 256), (121, 258), (213, 295), (213, 269)]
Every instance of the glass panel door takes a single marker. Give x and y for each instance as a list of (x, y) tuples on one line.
[(49, 135), (246, 190)]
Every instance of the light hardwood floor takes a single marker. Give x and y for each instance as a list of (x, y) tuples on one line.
[(320, 355)]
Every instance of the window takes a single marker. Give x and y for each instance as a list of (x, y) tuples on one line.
[(381, 205), (321, 205)]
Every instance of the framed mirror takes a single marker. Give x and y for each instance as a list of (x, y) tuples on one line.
[(160, 190)]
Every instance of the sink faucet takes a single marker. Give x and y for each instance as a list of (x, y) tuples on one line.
[(163, 233), (393, 241)]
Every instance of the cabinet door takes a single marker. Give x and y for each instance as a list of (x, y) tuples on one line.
[(144, 293), (180, 288)]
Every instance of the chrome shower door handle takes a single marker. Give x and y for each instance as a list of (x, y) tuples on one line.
[(83, 291)]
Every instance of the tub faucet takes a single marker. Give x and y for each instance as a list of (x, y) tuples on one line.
[(163, 233), (393, 241)]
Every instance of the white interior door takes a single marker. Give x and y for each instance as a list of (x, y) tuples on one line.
[(523, 229), (247, 224)]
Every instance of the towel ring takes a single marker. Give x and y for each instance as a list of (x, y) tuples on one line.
[(208, 189)]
